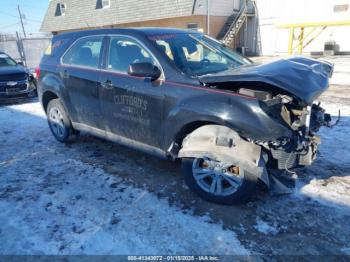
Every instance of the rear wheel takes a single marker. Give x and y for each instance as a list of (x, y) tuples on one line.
[(59, 122), (219, 182)]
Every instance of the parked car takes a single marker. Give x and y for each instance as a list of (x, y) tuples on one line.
[(15, 80), (183, 95)]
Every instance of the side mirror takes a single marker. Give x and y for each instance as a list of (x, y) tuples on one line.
[(144, 69), (20, 63)]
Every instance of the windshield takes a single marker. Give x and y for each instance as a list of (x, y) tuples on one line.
[(197, 54), (5, 60)]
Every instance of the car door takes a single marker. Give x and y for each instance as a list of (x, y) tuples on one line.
[(80, 70), (132, 106)]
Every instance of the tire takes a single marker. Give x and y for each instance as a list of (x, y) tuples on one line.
[(246, 183), (33, 93), (59, 122)]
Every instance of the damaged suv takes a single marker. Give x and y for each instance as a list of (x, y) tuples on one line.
[(183, 95)]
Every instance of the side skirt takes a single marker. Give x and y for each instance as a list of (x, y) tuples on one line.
[(151, 150)]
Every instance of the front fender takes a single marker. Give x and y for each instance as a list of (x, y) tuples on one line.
[(244, 116)]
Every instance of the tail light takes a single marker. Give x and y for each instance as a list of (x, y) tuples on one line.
[(37, 73)]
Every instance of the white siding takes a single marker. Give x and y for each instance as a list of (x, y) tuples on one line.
[(275, 12)]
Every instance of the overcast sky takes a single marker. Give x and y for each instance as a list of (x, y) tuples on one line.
[(34, 11)]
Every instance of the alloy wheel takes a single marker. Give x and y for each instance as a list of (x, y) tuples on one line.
[(217, 178), (56, 121)]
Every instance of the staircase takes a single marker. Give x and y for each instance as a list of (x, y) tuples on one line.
[(232, 26)]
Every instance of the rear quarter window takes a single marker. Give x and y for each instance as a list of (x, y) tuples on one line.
[(55, 48)]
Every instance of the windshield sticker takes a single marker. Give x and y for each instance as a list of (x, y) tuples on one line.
[(3, 56)]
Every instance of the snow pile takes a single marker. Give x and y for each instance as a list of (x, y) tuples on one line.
[(333, 191)]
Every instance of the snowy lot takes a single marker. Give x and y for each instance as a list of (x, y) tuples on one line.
[(95, 197)]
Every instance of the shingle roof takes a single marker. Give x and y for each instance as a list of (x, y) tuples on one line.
[(83, 13)]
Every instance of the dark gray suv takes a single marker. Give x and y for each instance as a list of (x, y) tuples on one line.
[(183, 95)]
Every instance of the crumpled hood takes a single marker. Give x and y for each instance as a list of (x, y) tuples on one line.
[(302, 77)]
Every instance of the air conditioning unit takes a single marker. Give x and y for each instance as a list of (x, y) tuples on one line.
[(329, 48)]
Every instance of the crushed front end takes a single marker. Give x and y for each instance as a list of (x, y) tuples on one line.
[(286, 91), (305, 121)]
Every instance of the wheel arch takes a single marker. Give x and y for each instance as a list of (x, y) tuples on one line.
[(221, 143), (47, 97), (188, 128)]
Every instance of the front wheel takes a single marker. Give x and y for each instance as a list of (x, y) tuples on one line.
[(219, 182)]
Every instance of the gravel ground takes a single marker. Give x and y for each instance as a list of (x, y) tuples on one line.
[(96, 197)]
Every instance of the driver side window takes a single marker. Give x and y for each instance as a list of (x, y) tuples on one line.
[(123, 52)]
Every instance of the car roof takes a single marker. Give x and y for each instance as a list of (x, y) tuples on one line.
[(148, 31)]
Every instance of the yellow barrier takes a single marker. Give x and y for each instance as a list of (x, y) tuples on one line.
[(315, 29)]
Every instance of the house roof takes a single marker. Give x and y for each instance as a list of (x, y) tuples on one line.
[(83, 13)]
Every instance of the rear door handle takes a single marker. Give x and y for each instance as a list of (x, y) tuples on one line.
[(107, 84), (65, 74)]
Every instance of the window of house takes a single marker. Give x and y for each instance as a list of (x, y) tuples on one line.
[(341, 8), (101, 4), (123, 52), (85, 52), (60, 9), (193, 26)]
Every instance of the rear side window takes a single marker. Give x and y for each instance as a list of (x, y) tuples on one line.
[(86, 52), (55, 47)]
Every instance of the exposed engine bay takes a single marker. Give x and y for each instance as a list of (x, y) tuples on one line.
[(305, 121)]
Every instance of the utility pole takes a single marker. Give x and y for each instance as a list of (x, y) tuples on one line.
[(208, 17), (21, 17)]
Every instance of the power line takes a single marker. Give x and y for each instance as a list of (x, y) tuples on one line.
[(32, 20), (11, 25), (16, 16), (26, 5), (4, 13)]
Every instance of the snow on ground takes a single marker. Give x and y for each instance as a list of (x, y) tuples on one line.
[(263, 227), (58, 205), (335, 149), (341, 75), (52, 202), (335, 146)]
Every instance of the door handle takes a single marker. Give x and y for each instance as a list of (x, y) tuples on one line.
[(107, 84), (65, 74)]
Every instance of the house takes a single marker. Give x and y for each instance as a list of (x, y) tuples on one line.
[(71, 15), (68, 15)]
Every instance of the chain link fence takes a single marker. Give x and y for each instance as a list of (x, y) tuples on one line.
[(27, 50)]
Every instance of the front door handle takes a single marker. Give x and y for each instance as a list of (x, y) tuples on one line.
[(107, 84)]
